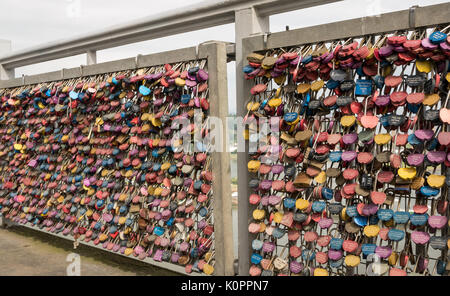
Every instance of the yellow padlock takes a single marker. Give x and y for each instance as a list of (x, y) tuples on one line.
[(348, 120), (180, 82), (278, 92), (382, 139), (320, 272), (293, 123), (277, 217), (253, 106), (436, 181), (99, 121), (262, 227), (128, 251), (275, 102), (303, 88), (156, 122), (407, 173), (423, 66), (317, 85), (165, 166), (393, 258), (158, 191), (301, 204), (344, 215), (321, 177), (259, 214), (371, 230), (280, 79), (253, 166), (431, 100), (352, 260), (208, 269)]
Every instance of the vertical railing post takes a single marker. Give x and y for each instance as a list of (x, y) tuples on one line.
[(5, 48), (247, 22), (91, 57), (222, 205)]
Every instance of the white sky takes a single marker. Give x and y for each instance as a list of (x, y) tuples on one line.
[(29, 23)]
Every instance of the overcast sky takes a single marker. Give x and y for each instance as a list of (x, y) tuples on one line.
[(29, 23)]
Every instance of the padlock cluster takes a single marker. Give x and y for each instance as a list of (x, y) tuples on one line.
[(357, 172), (96, 158)]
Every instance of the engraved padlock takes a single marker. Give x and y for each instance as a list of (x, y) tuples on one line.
[(366, 181)]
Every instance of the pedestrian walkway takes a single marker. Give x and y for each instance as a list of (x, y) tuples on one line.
[(24, 252)]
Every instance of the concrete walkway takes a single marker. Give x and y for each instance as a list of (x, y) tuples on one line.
[(24, 252)]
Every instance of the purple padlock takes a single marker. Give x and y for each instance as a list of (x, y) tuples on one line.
[(436, 156), (277, 169), (174, 258), (382, 101), (105, 245), (265, 201), (335, 254), (383, 252), (424, 134), (142, 256), (349, 155), (280, 60), (138, 250), (415, 159), (116, 247), (191, 83), (295, 267), (184, 247), (427, 44), (265, 184), (122, 250), (202, 75), (349, 139), (386, 50)]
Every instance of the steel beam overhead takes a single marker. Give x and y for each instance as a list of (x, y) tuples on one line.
[(186, 19)]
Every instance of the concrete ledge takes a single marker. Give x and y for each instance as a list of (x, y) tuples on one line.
[(107, 67), (142, 61), (427, 16), (11, 83), (35, 79)]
